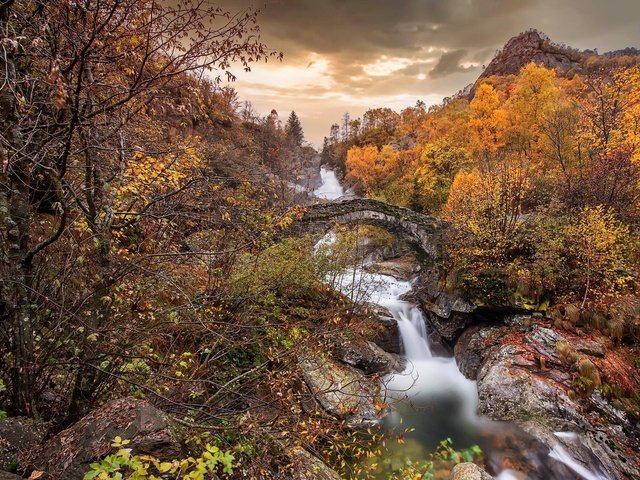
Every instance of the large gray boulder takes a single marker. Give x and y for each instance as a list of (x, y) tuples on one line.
[(339, 390), (69, 454), (17, 436), (365, 356)]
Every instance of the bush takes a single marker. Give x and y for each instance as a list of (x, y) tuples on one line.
[(566, 353), (588, 370)]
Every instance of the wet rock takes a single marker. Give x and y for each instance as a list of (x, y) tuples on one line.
[(509, 389), (365, 355), (340, 390), (449, 327), (69, 454), (521, 379), (468, 471), (576, 446), (310, 467), (18, 435), (387, 337), (449, 313), (403, 268), (473, 346)]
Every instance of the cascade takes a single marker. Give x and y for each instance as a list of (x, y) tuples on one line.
[(430, 395)]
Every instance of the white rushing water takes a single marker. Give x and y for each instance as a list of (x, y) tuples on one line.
[(560, 453), (330, 188), (427, 379)]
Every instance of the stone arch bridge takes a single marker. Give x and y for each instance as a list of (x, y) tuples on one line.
[(423, 231)]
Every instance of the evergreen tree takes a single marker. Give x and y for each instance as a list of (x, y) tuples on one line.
[(293, 130)]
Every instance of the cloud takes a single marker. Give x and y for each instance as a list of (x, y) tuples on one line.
[(358, 51), (451, 62)]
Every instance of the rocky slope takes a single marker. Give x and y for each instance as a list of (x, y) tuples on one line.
[(534, 46), (522, 377)]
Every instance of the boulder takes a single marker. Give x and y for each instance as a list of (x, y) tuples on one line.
[(449, 313), (309, 467), (365, 355), (69, 454), (521, 379), (340, 390), (18, 435), (387, 336), (473, 346), (510, 389), (468, 471)]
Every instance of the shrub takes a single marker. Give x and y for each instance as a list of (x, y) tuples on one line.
[(566, 353), (615, 328), (588, 370), (122, 464), (572, 313)]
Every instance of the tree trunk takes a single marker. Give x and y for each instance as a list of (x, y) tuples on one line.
[(15, 220)]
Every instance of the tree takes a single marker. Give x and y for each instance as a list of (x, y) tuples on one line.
[(488, 122), (293, 130), (597, 242), (79, 78), (371, 168)]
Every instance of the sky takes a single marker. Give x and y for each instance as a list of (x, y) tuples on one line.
[(350, 55)]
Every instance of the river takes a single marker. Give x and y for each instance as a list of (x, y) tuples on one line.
[(431, 399)]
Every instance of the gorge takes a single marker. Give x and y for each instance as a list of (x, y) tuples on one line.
[(432, 400)]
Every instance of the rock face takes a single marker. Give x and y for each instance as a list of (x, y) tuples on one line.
[(69, 454), (449, 313), (18, 435), (533, 46), (468, 471), (365, 356), (340, 390), (387, 336), (521, 379)]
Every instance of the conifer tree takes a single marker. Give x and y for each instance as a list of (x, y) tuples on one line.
[(293, 130)]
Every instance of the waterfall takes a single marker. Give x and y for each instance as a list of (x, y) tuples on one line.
[(430, 397), (330, 188), (412, 328)]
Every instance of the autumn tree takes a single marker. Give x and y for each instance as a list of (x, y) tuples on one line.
[(596, 242), (372, 168), (78, 78)]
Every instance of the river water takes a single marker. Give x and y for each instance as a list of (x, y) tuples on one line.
[(431, 399), (330, 189)]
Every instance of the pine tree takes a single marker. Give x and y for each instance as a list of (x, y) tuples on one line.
[(293, 130)]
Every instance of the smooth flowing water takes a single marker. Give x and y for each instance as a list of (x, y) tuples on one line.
[(431, 395)]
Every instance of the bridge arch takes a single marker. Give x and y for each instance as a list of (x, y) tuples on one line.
[(423, 231)]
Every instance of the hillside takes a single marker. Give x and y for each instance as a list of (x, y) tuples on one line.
[(534, 46)]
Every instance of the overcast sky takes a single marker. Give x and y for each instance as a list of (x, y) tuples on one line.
[(350, 55)]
